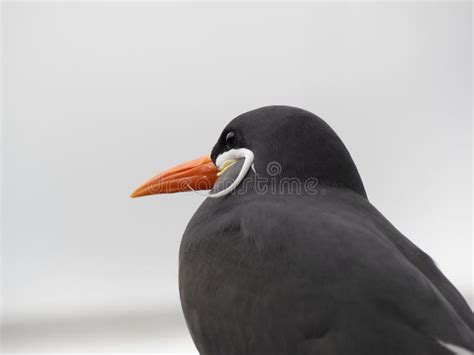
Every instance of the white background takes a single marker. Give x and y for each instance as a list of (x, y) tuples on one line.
[(98, 97)]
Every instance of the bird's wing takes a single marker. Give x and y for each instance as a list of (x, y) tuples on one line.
[(426, 265), (368, 287)]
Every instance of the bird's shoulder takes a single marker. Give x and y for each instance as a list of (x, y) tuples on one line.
[(318, 221)]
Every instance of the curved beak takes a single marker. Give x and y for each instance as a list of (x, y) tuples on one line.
[(198, 174)]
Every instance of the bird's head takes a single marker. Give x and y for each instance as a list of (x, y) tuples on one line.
[(298, 143)]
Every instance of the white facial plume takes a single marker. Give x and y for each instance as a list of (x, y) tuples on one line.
[(227, 159)]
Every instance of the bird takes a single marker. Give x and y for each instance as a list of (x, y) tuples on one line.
[(286, 255)]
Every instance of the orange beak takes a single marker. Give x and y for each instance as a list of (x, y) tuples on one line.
[(198, 174)]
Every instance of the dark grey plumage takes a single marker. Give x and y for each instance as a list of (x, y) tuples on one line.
[(304, 273)]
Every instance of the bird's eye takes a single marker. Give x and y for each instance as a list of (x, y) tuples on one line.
[(230, 140)]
